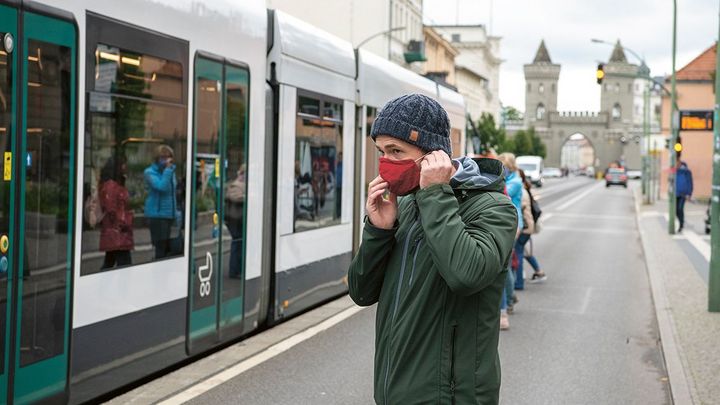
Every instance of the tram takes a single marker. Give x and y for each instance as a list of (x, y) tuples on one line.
[(177, 175)]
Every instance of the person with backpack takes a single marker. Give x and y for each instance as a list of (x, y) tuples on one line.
[(435, 247), (531, 215)]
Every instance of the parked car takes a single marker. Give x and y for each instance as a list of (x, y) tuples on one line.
[(590, 171), (533, 168), (552, 172), (634, 174), (616, 175)]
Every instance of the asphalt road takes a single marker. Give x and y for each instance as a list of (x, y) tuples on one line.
[(586, 336)]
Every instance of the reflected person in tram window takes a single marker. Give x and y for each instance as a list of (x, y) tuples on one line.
[(116, 231), (234, 211), (160, 202), (338, 185), (434, 253)]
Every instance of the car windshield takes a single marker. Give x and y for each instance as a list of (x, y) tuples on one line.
[(528, 167), (616, 171)]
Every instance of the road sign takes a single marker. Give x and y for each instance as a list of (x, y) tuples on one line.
[(696, 120)]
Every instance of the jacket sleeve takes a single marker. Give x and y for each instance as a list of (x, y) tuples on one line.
[(690, 180), (367, 270), (164, 183), (468, 256)]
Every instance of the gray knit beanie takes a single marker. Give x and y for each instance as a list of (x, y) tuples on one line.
[(415, 119)]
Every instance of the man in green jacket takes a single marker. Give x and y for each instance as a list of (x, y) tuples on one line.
[(434, 261)]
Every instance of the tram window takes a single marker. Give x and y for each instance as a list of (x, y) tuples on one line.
[(318, 162), (135, 149), (46, 201)]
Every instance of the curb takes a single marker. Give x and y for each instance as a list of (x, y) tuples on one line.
[(679, 382)]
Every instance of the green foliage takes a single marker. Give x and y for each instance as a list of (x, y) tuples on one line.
[(512, 114), (491, 137), (526, 142)]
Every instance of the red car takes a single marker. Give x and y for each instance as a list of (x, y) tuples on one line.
[(617, 176)]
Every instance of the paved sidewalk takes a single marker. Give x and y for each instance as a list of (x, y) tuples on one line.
[(677, 268)]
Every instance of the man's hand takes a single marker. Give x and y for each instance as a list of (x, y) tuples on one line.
[(436, 168), (382, 212)]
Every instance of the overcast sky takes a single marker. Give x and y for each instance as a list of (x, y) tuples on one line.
[(644, 26)]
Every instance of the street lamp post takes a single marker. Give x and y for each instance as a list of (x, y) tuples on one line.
[(373, 36), (674, 124), (645, 75)]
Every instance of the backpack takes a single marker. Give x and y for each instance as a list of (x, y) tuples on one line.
[(534, 208), (92, 210)]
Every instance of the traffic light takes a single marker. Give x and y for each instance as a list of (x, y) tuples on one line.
[(678, 146), (600, 74)]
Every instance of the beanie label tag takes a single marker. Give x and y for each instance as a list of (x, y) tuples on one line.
[(414, 135)]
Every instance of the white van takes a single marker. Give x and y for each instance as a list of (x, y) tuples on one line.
[(533, 168)]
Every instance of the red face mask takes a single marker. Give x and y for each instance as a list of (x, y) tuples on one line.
[(402, 176)]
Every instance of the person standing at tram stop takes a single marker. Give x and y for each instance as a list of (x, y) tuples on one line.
[(683, 190), (434, 261), (116, 226), (160, 202)]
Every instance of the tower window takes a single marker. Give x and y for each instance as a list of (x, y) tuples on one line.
[(540, 112), (616, 112), (529, 87), (455, 37), (541, 88), (553, 88), (617, 87)]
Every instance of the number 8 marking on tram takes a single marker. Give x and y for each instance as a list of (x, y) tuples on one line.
[(204, 275)]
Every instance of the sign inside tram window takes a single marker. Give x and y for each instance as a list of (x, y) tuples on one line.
[(696, 120), (7, 168)]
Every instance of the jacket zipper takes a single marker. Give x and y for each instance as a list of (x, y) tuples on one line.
[(417, 249), (397, 298), (452, 365)]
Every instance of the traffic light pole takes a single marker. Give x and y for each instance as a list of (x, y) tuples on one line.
[(674, 123), (714, 277), (646, 136)]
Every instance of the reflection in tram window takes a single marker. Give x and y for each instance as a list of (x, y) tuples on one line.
[(318, 162), (6, 102), (47, 190), (136, 123)]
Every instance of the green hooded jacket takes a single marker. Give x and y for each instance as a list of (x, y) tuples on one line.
[(437, 277)]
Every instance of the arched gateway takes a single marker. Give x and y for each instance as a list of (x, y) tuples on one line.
[(613, 131)]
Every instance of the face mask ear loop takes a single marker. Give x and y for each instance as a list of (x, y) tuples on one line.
[(421, 157)]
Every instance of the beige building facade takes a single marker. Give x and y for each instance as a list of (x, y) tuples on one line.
[(695, 91), (359, 20), (440, 54), (477, 67)]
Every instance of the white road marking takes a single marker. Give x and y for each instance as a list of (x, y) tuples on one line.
[(697, 242), (586, 300), (272, 351), (579, 197)]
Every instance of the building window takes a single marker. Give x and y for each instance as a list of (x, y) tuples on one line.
[(455, 37), (607, 86), (541, 88), (540, 112), (529, 87), (630, 88), (617, 87), (318, 161), (616, 112), (553, 88), (135, 148)]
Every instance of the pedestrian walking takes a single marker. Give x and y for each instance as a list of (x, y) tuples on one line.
[(530, 227), (683, 191), (434, 260), (514, 191)]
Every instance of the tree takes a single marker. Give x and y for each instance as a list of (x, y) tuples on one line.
[(512, 114), (491, 137), (525, 142)]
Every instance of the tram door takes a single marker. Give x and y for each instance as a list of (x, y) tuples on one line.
[(37, 127), (217, 261)]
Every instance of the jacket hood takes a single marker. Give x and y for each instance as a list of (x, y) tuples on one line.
[(478, 174)]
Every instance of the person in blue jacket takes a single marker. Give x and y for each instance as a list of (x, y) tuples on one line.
[(683, 191), (160, 202)]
